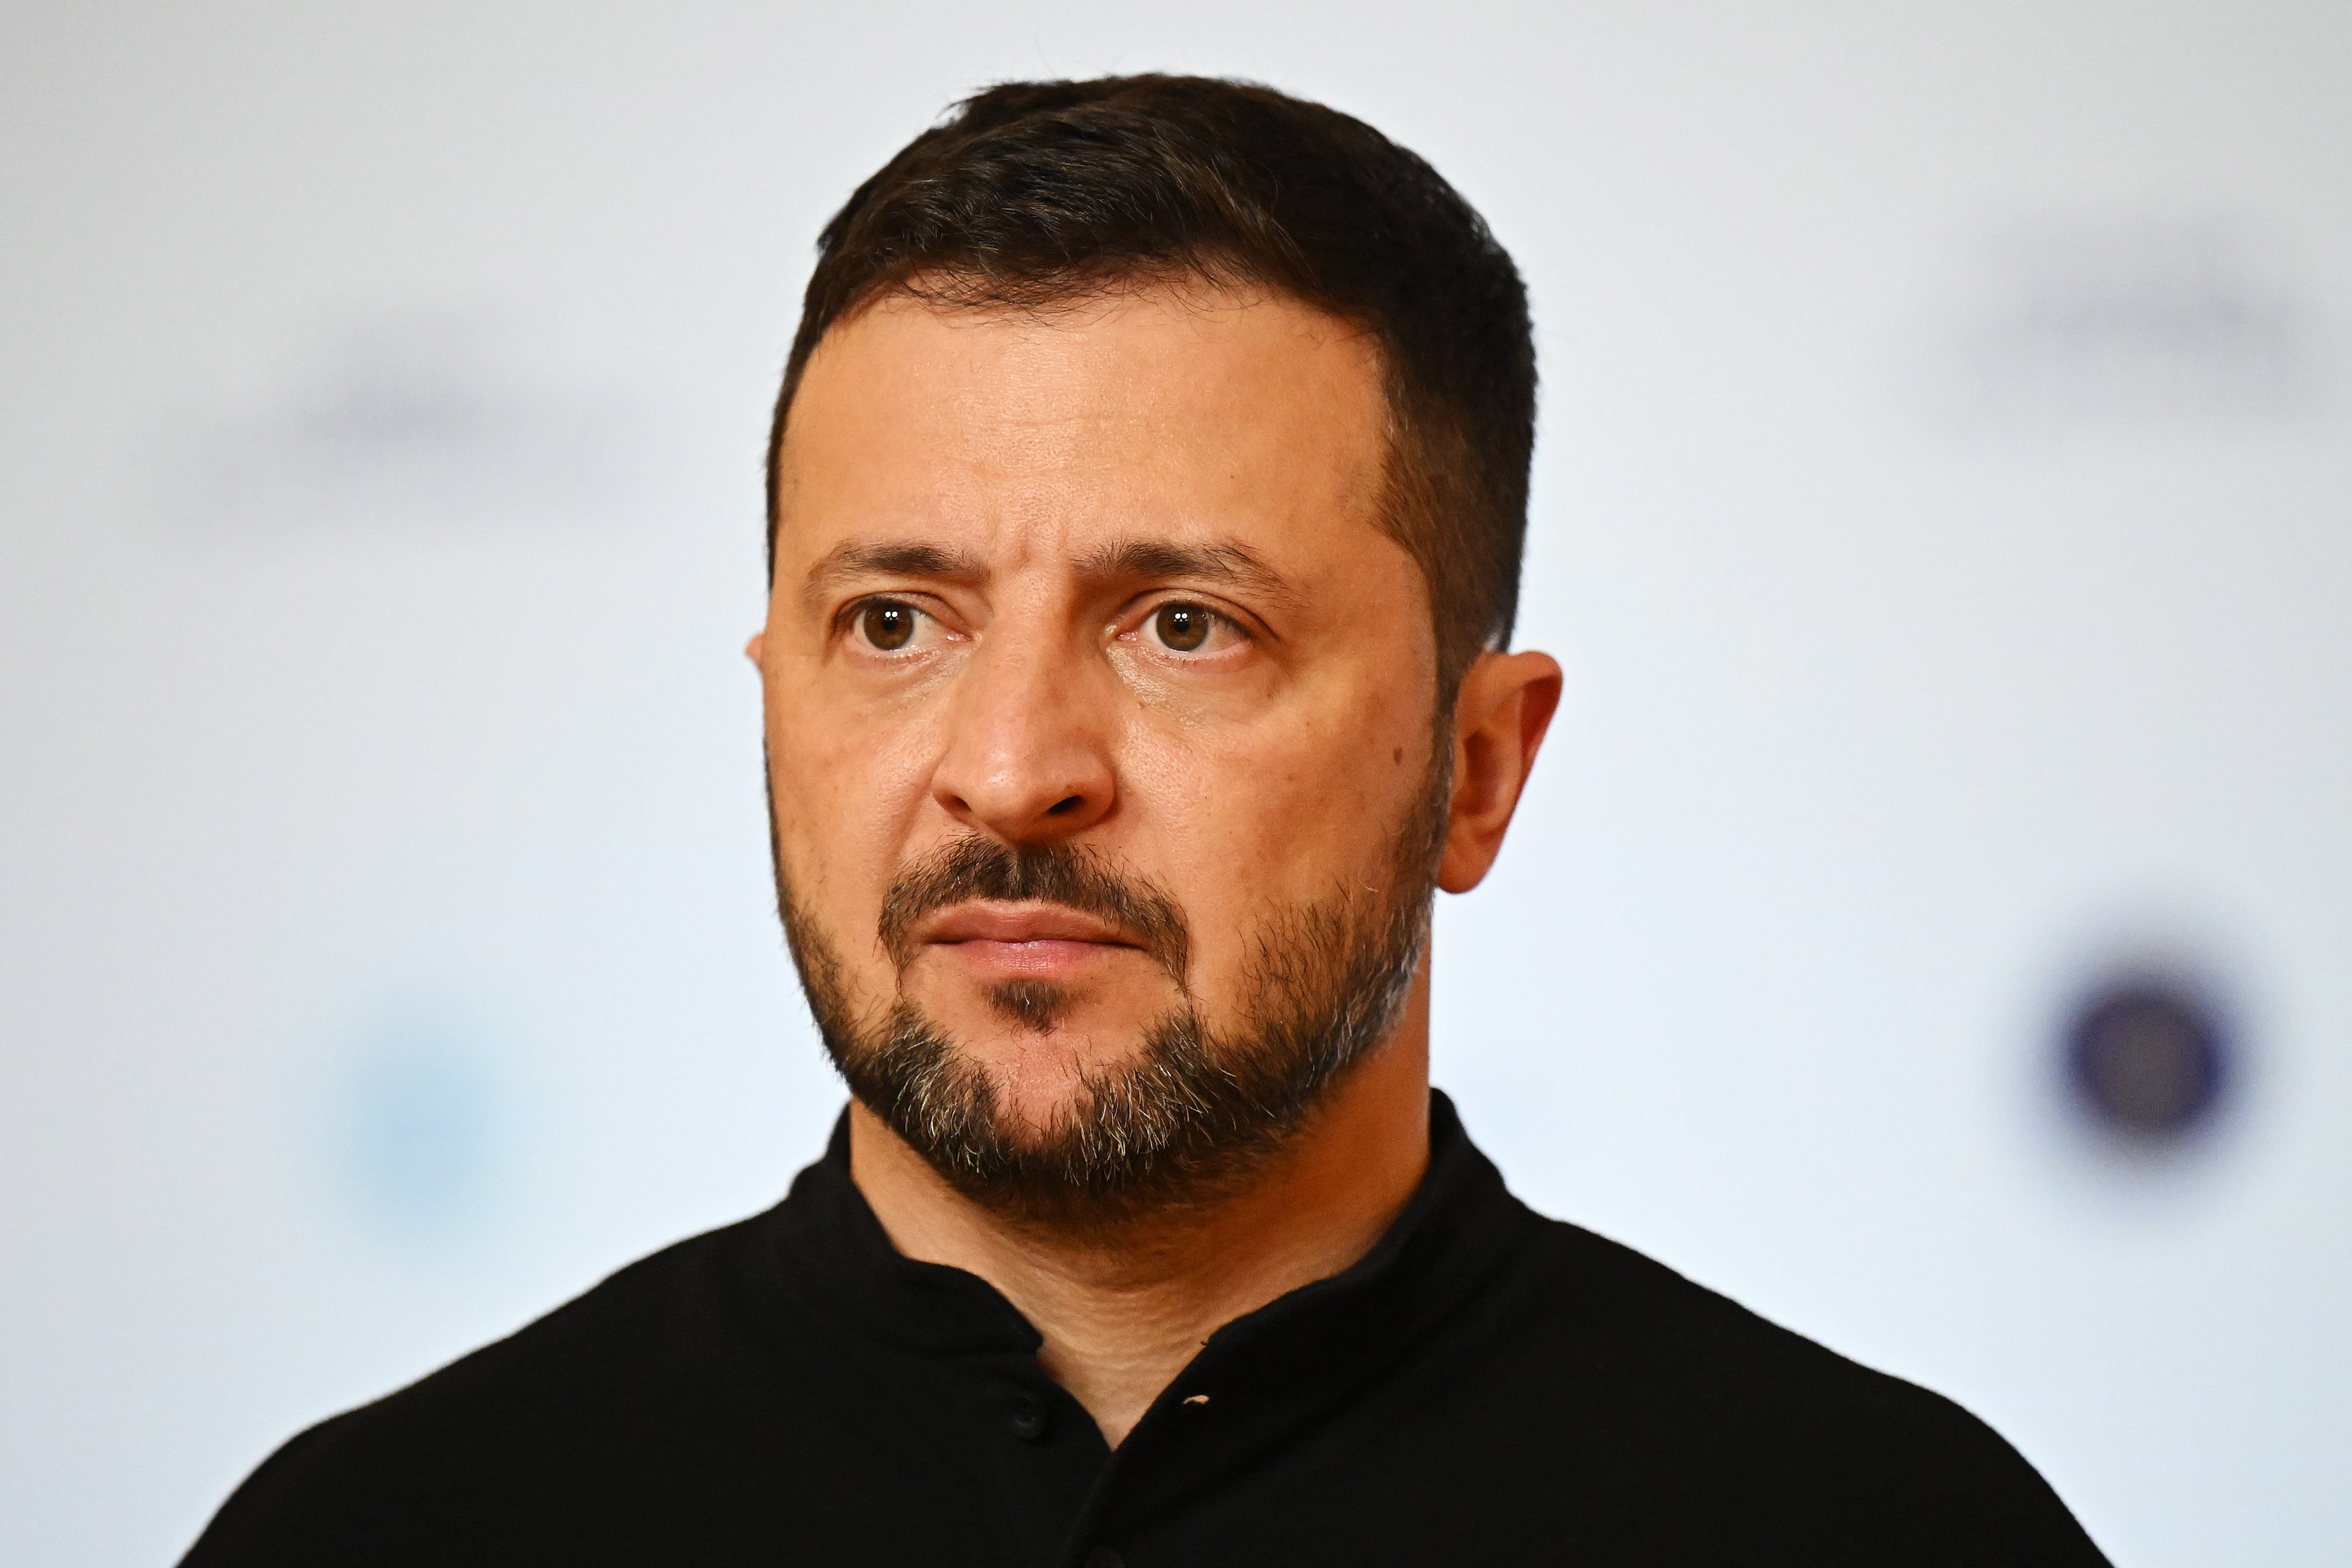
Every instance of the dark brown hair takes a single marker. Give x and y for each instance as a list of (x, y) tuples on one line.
[(1034, 192)]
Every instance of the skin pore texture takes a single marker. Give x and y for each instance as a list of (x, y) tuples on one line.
[(1108, 580)]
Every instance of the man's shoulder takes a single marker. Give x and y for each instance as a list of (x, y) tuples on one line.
[(628, 1339), (1626, 1315), (1684, 1393), (656, 1347)]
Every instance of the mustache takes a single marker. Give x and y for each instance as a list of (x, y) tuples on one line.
[(974, 867)]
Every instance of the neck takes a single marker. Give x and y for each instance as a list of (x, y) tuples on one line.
[(1122, 1312)]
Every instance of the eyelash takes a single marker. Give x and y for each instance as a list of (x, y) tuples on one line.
[(853, 616)]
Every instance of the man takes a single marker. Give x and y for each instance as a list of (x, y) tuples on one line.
[(1146, 500)]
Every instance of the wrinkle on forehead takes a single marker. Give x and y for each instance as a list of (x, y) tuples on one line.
[(1243, 399)]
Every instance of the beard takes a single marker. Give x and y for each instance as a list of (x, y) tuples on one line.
[(1194, 1110)]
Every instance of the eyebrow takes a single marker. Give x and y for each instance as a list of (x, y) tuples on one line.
[(1161, 559), (1156, 560), (900, 558)]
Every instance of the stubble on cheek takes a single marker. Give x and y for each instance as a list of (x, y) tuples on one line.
[(824, 975)]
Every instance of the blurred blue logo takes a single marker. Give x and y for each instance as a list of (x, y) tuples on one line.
[(426, 1128), (2149, 1057)]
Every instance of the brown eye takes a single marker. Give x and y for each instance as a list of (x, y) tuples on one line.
[(1183, 627), (888, 625)]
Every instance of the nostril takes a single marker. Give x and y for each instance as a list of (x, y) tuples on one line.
[(1064, 806)]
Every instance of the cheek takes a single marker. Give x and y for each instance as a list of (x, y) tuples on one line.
[(844, 794), (1281, 814)]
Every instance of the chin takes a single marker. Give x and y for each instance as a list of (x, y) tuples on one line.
[(1038, 1078)]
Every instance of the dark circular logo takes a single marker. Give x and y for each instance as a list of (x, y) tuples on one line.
[(2147, 1056)]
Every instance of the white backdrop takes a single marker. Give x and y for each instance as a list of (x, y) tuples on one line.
[(1942, 511)]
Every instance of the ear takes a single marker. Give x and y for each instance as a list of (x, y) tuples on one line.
[(1499, 719)]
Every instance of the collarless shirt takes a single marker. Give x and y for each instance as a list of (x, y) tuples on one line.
[(1483, 1386)]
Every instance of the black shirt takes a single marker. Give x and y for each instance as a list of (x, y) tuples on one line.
[(1485, 1386)]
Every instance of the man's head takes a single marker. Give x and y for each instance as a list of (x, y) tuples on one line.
[(1146, 492)]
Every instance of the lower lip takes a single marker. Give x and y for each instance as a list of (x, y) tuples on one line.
[(1048, 958)]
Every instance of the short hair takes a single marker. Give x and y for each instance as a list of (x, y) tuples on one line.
[(1029, 194)]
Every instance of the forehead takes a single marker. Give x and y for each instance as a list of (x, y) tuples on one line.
[(1250, 419)]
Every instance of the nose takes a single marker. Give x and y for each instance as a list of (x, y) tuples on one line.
[(1028, 754)]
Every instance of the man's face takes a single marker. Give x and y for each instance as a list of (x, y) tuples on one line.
[(1099, 710)]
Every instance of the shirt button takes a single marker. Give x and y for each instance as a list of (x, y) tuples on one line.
[(1104, 1557), (1028, 1416)]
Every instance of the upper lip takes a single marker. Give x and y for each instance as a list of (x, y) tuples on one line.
[(1018, 923)]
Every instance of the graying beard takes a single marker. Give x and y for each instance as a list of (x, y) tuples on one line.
[(1191, 1115)]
